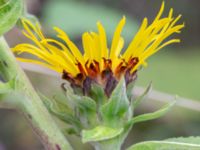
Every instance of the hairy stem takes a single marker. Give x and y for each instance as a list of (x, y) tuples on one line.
[(31, 106)]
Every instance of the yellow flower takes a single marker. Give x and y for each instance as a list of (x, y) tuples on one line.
[(98, 62)]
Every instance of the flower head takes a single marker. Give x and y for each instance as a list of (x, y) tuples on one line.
[(99, 63)]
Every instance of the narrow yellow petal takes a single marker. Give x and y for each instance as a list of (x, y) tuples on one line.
[(154, 47), (143, 58), (103, 40), (136, 39), (168, 43), (87, 46), (55, 60), (175, 21), (168, 24), (75, 51), (28, 26), (115, 50), (103, 44), (96, 46), (149, 36), (31, 28), (61, 56), (160, 11), (116, 60), (63, 49), (28, 48)]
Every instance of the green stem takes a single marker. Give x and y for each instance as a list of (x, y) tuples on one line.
[(31, 107)]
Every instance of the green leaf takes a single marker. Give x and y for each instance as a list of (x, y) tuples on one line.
[(138, 100), (100, 133), (82, 16), (190, 143), (191, 139), (10, 11), (117, 106), (154, 115)]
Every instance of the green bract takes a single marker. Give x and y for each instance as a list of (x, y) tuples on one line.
[(10, 11), (115, 110), (100, 133), (99, 119)]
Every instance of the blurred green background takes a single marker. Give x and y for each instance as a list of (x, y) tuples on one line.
[(174, 70)]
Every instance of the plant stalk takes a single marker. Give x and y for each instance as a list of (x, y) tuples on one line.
[(108, 146), (31, 106)]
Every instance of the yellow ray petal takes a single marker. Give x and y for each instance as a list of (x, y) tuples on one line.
[(75, 51), (103, 43), (160, 11), (115, 47), (54, 60), (63, 50), (136, 39), (96, 46), (163, 37), (116, 60), (62, 57), (86, 46), (149, 36), (168, 43)]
